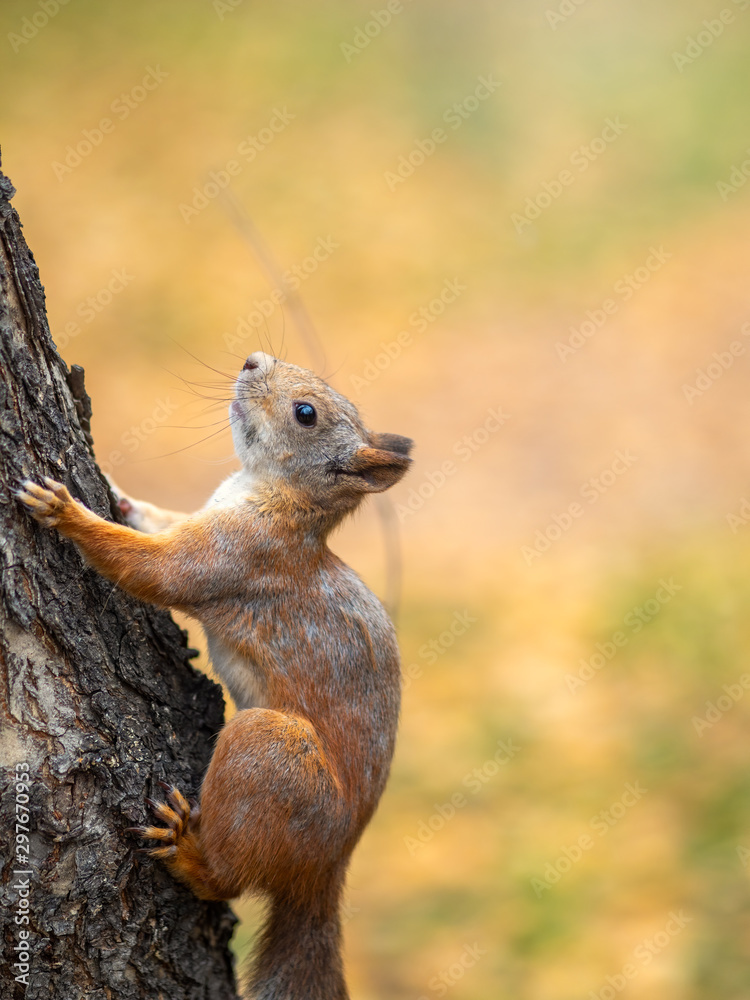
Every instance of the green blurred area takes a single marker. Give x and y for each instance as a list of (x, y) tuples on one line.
[(463, 902)]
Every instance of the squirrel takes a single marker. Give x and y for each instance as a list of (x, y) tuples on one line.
[(305, 649)]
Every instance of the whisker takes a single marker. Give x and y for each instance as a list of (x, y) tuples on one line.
[(204, 395), (200, 361), (208, 407), (283, 333), (327, 378), (239, 357), (193, 444), (192, 427), (267, 338), (205, 385), (189, 385), (220, 461)]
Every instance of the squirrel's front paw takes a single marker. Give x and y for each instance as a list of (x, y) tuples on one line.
[(179, 816), (128, 506), (46, 505), (139, 514), (129, 510)]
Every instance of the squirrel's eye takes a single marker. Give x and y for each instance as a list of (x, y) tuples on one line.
[(305, 414)]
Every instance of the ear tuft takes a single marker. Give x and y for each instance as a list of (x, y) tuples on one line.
[(391, 442), (374, 469)]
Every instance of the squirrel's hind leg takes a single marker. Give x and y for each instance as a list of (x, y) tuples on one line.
[(271, 816), (271, 807)]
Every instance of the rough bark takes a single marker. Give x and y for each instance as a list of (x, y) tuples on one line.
[(98, 700)]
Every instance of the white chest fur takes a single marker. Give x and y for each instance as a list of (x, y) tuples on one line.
[(238, 674), (233, 490)]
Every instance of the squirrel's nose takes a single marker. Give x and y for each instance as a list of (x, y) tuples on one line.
[(259, 360)]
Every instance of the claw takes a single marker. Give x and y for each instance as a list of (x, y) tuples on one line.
[(45, 505), (162, 852), (165, 814), (152, 832), (157, 852), (177, 800), (161, 833), (175, 819)]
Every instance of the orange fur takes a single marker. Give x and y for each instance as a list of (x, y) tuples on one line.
[(306, 650)]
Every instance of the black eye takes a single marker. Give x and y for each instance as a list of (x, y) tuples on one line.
[(305, 414)]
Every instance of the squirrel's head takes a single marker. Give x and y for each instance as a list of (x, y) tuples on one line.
[(305, 442)]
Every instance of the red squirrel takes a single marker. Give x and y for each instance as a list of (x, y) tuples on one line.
[(307, 652)]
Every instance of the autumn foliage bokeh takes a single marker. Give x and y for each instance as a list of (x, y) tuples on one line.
[(516, 232)]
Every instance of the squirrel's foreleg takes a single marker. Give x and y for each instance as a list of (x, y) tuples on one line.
[(160, 568)]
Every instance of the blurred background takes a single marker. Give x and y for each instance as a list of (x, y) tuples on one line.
[(520, 230)]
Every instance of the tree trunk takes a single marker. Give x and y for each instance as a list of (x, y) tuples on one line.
[(98, 702)]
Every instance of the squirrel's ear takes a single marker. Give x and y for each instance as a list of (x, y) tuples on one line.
[(377, 469), (391, 442)]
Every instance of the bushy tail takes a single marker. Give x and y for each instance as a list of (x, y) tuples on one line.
[(298, 956)]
